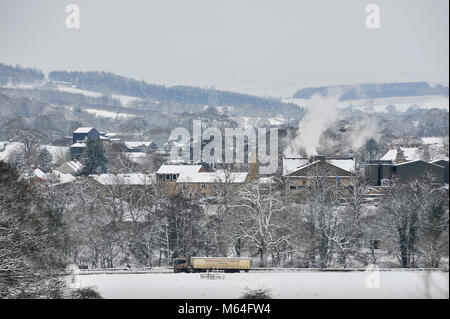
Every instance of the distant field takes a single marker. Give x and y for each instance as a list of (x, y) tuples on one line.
[(392, 284), (380, 104)]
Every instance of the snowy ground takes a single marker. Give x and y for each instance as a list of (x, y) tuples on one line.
[(6, 148), (103, 113), (392, 284), (124, 99), (379, 105)]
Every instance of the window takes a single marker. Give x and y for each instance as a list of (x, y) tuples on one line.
[(180, 261), (167, 177), (174, 177), (304, 182), (203, 186)]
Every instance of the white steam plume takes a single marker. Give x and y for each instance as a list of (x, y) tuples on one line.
[(322, 111)]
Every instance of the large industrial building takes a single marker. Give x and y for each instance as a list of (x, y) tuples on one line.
[(378, 172)]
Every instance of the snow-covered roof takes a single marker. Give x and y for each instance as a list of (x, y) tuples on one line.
[(138, 144), (439, 160), (267, 180), (214, 177), (178, 169), (61, 177), (83, 130), (78, 145), (432, 140), (75, 165), (347, 164), (136, 154), (410, 153), (40, 174), (416, 161), (292, 164), (308, 165), (124, 179)]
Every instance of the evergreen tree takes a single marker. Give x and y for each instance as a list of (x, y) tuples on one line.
[(29, 235), (46, 160), (94, 158)]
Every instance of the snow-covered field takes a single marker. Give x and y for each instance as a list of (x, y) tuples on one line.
[(103, 113), (380, 104), (391, 284), (251, 122), (78, 91), (124, 99)]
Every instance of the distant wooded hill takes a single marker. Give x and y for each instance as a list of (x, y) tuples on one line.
[(16, 75), (109, 83), (115, 84), (375, 90)]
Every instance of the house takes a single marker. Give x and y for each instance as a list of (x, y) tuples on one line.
[(39, 176), (336, 170), (137, 157), (291, 164), (81, 134), (169, 173), (144, 147), (205, 184), (77, 149), (57, 178), (70, 167), (133, 179)]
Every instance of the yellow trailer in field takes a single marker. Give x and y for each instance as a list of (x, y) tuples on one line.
[(199, 264)]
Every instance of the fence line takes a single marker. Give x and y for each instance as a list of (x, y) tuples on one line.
[(156, 270)]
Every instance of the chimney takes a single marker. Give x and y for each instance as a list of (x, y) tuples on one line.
[(254, 167), (400, 156), (317, 158)]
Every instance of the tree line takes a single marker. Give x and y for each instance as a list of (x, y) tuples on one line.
[(43, 228)]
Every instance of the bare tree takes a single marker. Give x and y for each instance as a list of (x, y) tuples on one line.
[(258, 218), (432, 201), (399, 217), (319, 211)]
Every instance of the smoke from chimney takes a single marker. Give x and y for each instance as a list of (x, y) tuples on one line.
[(322, 111)]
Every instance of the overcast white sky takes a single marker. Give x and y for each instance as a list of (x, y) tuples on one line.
[(256, 46)]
